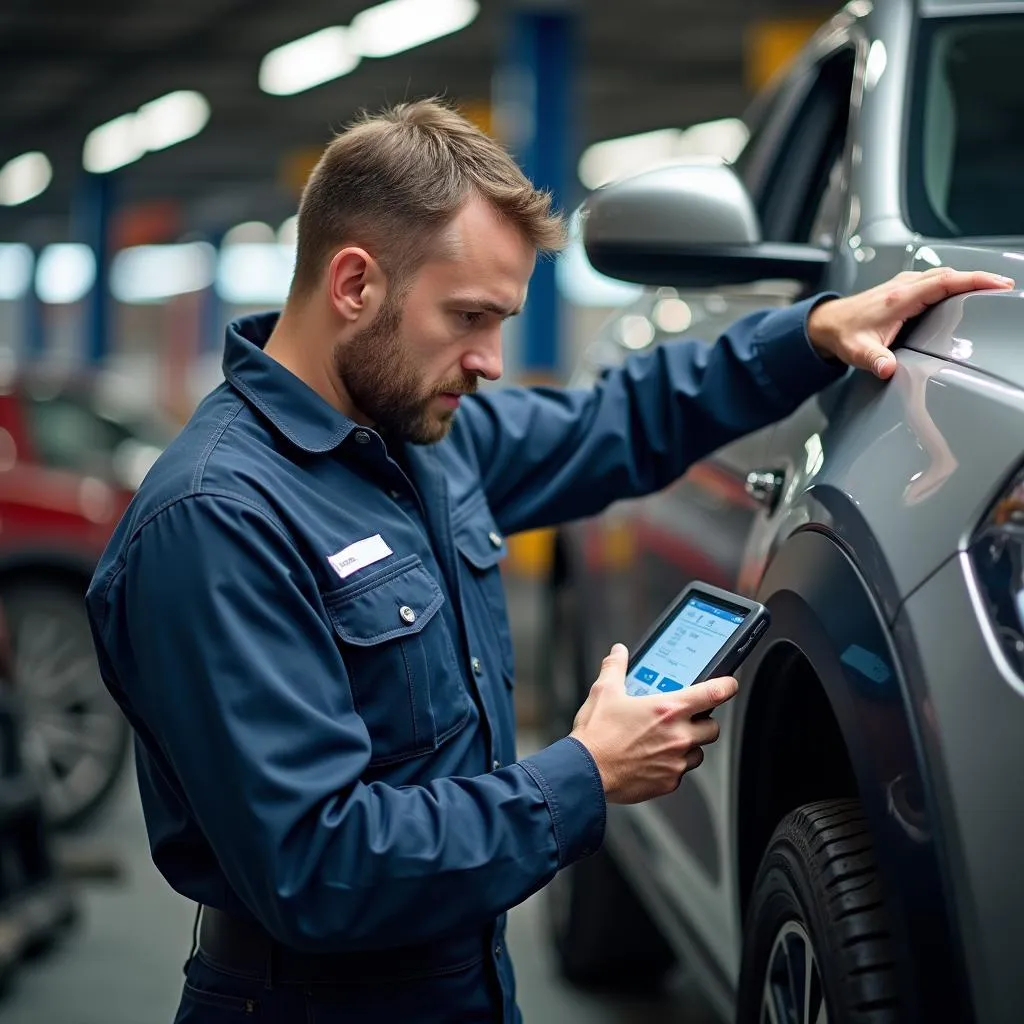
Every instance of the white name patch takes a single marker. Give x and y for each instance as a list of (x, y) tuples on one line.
[(359, 555)]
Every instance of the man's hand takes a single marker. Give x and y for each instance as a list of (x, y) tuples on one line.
[(859, 329), (644, 745)]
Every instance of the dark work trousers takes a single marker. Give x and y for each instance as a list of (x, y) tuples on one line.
[(213, 996)]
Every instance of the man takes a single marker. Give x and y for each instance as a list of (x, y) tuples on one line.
[(302, 611)]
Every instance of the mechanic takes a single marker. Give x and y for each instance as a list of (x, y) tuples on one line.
[(302, 611)]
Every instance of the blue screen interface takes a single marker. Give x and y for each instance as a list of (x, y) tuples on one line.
[(689, 640)]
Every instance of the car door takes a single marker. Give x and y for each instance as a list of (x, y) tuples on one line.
[(697, 528)]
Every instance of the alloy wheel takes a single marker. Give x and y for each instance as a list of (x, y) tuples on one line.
[(793, 992), (73, 730)]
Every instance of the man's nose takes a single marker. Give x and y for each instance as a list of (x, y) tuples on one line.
[(485, 357)]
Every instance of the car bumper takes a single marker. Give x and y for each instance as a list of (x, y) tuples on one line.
[(970, 714)]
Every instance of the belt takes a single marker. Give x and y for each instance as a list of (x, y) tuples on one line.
[(246, 948)]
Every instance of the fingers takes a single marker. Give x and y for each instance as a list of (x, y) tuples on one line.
[(703, 731), (707, 696), (694, 759), (913, 298), (613, 667), (874, 358)]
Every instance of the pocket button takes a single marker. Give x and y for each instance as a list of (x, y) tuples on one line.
[(407, 614)]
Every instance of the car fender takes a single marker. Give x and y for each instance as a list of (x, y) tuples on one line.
[(822, 605)]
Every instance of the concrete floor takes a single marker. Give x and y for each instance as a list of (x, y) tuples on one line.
[(122, 964)]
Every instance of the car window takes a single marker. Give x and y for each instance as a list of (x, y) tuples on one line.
[(965, 162), (69, 434), (828, 214), (804, 189)]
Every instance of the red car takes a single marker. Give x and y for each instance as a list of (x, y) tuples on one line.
[(69, 464)]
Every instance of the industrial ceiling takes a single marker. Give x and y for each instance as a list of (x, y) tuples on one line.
[(67, 66)]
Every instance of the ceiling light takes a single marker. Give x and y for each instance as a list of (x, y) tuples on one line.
[(15, 270), (307, 62), (156, 125), (288, 232), (614, 159), (402, 24), (172, 119), (257, 231), (24, 178), (255, 273), (65, 272), (112, 145), (152, 273)]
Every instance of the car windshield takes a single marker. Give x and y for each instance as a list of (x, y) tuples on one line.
[(966, 152)]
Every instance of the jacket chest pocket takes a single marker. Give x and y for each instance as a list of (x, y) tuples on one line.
[(401, 664), (482, 548)]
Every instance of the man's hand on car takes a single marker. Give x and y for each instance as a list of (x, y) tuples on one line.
[(643, 745), (858, 329)]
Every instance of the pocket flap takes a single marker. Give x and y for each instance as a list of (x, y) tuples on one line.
[(399, 603), (479, 539)]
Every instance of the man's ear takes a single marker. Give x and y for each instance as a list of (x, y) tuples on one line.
[(356, 284)]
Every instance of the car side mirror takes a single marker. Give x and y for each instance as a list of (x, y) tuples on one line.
[(691, 225)]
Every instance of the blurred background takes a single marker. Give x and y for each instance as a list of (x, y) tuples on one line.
[(151, 160)]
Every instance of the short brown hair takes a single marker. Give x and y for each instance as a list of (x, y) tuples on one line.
[(391, 181)]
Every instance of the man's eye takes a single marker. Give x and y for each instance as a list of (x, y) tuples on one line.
[(470, 319)]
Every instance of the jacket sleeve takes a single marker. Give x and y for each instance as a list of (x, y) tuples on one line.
[(549, 455), (240, 681)]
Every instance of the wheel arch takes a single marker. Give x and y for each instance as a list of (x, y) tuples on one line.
[(47, 564), (825, 706)]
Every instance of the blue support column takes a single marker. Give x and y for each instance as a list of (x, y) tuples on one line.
[(34, 329), (211, 331), (535, 102), (92, 214)]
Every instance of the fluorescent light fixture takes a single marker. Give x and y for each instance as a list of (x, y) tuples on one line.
[(112, 145), (255, 273), (172, 119), (155, 125), (613, 159), (15, 270), (249, 231), (153, 273), (65, 273), (24, 178), (309, 61), (288, 232), (399, 25)]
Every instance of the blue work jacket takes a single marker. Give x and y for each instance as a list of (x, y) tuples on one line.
[(308, 633)]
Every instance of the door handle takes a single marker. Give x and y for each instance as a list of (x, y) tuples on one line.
[(765, 486)]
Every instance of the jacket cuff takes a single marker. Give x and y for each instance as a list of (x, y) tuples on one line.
[(791, 369), (568, 777)]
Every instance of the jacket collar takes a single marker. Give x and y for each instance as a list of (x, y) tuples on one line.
[(290, 404)]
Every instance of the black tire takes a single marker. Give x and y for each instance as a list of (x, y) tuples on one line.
[(76, 738), (817, 890), (603, 937)]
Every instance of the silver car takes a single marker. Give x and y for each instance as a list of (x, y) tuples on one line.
[(850, 850)]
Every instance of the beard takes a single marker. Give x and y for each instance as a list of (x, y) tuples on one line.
[(383, 384)]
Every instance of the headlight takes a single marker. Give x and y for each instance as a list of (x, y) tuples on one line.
[(997, 553)]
